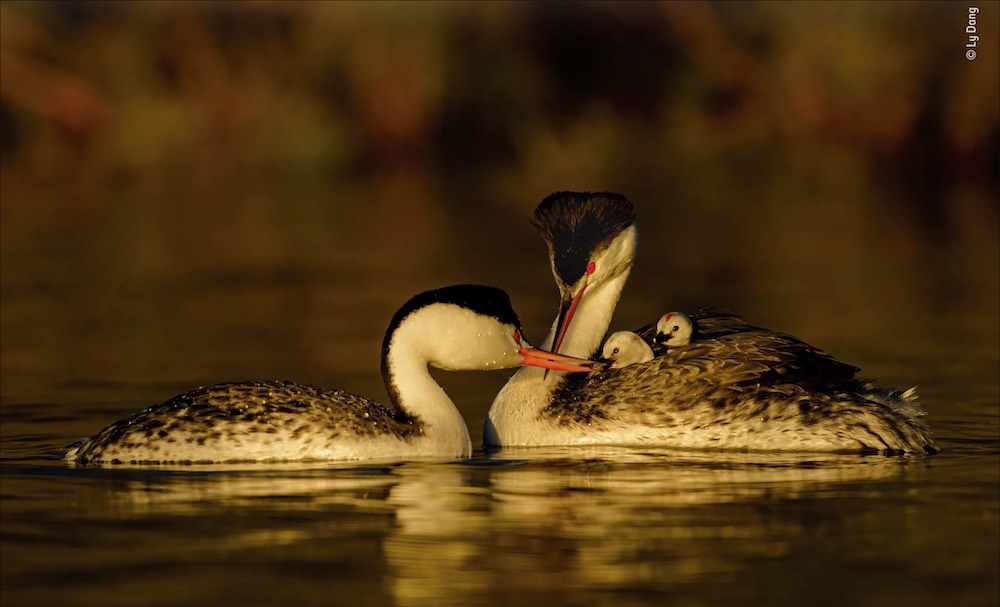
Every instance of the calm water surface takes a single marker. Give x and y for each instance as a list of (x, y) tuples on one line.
[(107, 309)]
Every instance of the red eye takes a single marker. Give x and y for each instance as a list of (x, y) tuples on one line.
[(517, 337), (590, 268)]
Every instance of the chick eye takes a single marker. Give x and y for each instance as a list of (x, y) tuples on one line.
[(616, 350), (590, 268), (676, 328), (517, 337)]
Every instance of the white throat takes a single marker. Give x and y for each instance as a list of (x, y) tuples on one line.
[(420, 396), (590, 323)]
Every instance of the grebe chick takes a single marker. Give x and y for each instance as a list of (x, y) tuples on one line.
[(674, 329), (625, 348), (464, 327)]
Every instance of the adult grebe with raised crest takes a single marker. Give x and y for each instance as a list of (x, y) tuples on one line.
[(465, 327), (736, 386)]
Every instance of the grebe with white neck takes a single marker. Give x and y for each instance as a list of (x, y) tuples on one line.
[(736, 386), (465, 327)]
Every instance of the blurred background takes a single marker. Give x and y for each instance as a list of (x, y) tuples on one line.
[(198, 192)]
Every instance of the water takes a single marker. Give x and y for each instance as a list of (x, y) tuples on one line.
[(113, 305)]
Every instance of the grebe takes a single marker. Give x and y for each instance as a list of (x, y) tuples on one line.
[(624, 348), (456, 328), (674, 329), (736, 386)]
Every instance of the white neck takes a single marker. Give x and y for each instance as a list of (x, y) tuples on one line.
[(420, 396), (591, 321), (512, 419)]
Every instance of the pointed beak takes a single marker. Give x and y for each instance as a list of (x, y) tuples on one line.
[(567, 308), (557, 362)]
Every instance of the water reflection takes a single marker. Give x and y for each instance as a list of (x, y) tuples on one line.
[(682, 477), (600, 522), (201, 489), (516, 523), (598, 519), (436, 551)]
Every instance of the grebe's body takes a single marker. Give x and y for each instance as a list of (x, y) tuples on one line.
[(736, 386), (261, 421), (455, 328)]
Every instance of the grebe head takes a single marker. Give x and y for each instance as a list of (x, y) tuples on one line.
[(468, 327), (591, 238), (625, 348), (674, 329)]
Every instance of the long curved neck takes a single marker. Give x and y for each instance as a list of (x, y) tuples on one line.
[(413, 392)]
